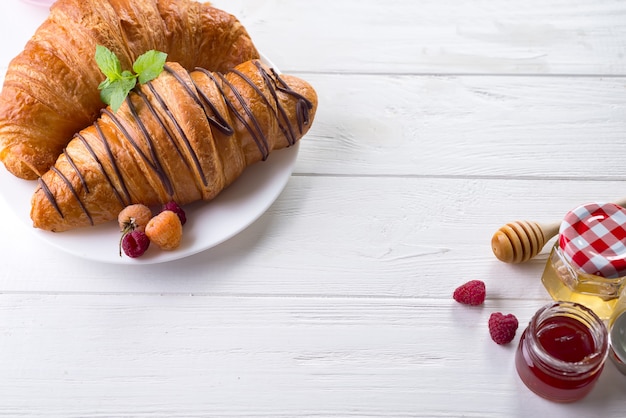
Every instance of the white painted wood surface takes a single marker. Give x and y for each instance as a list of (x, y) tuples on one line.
[(438, 122)]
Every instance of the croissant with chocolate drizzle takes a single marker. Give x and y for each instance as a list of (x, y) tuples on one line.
[(51, 88), (184, 136)]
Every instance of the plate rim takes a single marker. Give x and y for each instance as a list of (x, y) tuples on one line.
[(277, 170)]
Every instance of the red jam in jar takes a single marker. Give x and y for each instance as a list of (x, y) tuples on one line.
[(562, 352)]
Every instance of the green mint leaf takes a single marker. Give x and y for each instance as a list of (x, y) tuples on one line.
[(149, 65), (106, 83), (128, 83), (127, 75), (117, 98), (117, 85), (114, 92), (106, 92), (125, 86), (108, 62)]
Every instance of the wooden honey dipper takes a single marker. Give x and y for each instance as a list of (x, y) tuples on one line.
[(519, 241)]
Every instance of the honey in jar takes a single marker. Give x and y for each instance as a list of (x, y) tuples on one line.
[(587, 264)]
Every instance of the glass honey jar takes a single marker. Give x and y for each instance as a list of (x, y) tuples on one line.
[(587, 264)]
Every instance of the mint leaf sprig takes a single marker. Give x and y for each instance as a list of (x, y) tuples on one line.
[(117, 85)]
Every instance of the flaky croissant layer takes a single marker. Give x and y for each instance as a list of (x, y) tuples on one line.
[(184, 137), (50, 89)]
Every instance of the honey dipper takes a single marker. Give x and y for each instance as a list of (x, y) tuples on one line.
[(519, 241)]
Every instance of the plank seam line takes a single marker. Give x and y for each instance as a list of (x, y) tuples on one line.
[(454, 74), (245, 296), (462, 177)]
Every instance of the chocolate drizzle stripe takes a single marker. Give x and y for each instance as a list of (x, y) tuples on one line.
[(95, 157), (199, 97), (120, 127), (279, 112), (116, 169), (256, 132), (181, 133), (303, 105), (70, 160), (69, 185), (167, 183), (163, 125), (275, 85), (152, 161), (50, 196), (218, 121), (271, 83), (183, 84)]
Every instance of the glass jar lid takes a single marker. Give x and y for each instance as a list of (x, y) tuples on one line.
[(593, 239)]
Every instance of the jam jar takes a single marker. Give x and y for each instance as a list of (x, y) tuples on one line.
[(562, 351), (587, 264)]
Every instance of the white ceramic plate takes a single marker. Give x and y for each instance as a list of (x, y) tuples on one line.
[(208, 223)]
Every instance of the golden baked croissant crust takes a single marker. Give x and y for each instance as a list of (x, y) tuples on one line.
[(51, 88), (183, 136)]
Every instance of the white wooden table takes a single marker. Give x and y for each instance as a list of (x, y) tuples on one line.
[(438, 122)]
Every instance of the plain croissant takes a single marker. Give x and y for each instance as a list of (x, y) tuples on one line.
[(183, 136), (50, 90)]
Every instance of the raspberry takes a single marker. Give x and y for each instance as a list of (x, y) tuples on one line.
[(134, 243), (174, 207), (165, 230), (134, 217), (502, 327), (470, 293)]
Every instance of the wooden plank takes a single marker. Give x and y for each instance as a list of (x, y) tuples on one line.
[(496, 37), (409, 37), (438, 122), (533, 127), (154, 356), (336, 236), (469, 126)]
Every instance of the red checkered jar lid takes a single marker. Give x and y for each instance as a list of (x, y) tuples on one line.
[(592, 238)]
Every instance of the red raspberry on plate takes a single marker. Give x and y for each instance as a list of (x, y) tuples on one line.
[(175, 207), (502, 327), (134, 243), (470, 293)]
